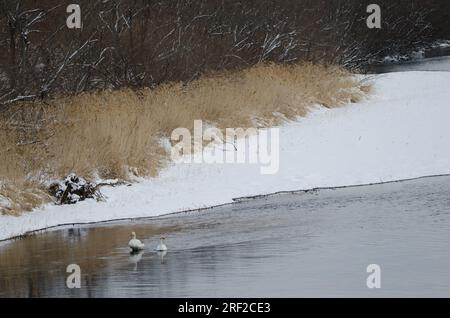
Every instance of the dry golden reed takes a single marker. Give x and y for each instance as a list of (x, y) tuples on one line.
[(117, 134)]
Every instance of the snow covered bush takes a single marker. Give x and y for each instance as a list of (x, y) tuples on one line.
[(74, 189)]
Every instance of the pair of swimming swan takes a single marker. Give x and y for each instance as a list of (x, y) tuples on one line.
[(136, 245)]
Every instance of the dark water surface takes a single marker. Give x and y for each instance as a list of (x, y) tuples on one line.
[(317, 243), (436, 64), (436, 60)]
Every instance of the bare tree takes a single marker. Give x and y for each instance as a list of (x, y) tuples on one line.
[(144, 43)]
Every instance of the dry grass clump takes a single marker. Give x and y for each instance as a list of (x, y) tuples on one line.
[(117, 134), (18, 197)]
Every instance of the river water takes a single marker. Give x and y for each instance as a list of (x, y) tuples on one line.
[(316, 243), (436, 60)]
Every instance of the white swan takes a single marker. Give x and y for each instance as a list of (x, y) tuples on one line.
[(161, 246), (135, 244)]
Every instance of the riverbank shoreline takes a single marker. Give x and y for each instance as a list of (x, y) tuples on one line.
[(398, 133), (235, 200)]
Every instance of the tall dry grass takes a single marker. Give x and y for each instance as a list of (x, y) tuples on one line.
[(116, 134)]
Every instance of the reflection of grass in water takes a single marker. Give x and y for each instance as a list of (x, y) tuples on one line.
[(117, 134), (35, 263)]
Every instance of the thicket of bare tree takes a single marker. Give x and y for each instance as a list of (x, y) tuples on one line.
[(136, 43)]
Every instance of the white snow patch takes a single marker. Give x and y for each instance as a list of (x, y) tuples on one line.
[(400, 132)]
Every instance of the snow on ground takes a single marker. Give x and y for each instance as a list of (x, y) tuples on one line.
[(402, 131)]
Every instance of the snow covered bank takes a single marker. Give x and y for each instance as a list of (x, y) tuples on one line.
[(401, 132)]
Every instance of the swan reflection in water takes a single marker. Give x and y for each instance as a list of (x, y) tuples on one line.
[(135, 258), (161, 255)]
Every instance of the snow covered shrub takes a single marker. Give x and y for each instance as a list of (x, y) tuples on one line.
[(74, 189)]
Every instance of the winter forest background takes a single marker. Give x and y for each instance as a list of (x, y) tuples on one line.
[(141, 43)]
